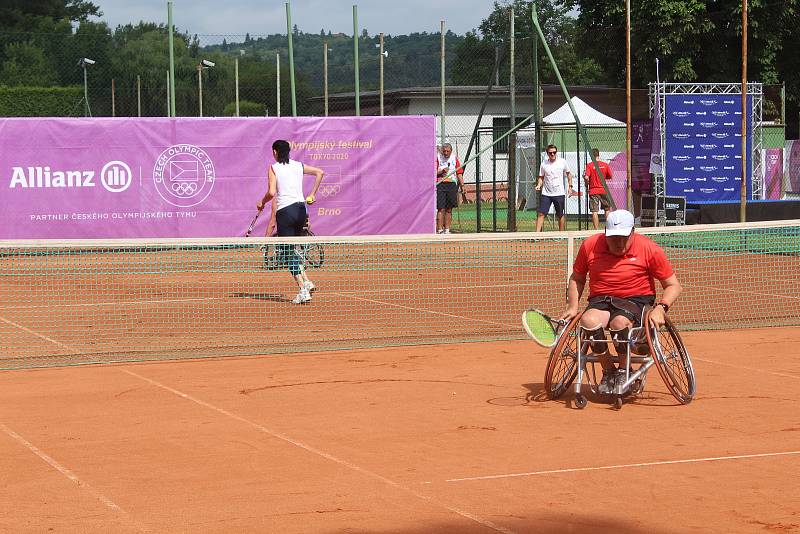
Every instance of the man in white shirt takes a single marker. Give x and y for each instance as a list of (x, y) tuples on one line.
[(551, 185)]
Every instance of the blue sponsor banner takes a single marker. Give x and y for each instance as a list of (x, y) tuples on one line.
[(703, 148)]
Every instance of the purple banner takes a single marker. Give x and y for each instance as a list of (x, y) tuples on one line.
[(190, 177), (773, 173)]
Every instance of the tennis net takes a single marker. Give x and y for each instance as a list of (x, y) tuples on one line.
[(79, 302)]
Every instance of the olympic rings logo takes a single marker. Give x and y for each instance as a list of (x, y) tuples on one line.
[(329, 190), (184, 189)]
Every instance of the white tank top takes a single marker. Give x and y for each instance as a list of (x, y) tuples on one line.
[(289, 177)]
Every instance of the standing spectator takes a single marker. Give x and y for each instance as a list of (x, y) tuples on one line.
[(449, 179), (597, 193), (551, 185), (286, 187)]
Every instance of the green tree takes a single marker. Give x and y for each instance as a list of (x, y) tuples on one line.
[(26, 64)]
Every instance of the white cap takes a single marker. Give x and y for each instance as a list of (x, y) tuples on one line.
[(619, 222)]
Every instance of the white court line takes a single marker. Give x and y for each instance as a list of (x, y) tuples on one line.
[(623, 466), (754, 369), (41, 336), (64, 471), (322, 454), (423, 310), (741, 291)]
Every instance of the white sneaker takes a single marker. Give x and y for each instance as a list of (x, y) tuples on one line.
[(447, 230), (440, 231), (302, 297), (309, 286)]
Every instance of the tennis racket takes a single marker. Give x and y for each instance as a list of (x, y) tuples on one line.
[(542, 329), (313, 253), (252, 224)]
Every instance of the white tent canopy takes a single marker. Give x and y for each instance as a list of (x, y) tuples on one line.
[(586, 113)]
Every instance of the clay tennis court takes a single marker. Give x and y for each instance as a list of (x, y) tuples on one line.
[(445, 438)]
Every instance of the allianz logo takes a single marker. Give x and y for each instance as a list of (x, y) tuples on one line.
[(719, 157), (729, 189), (728, 102), (700, 113), (701, 157), (720, 113), (708, 102), (115, 176), (688, 168), (729, 167), (729, 146), (688, 101), (688, 124), (720, 135), (729, 124), (708, 168), (700, 179), (708, 189), (708, 147), (681, 158), (708, 124), (719, 179), (680, 113), (688, 146), (701, 135), (688, 190)]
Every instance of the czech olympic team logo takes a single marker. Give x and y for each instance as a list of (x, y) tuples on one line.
[(184, 175)]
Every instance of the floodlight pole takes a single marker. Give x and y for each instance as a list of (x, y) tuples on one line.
[(511, 77), (743, 196), (236, 79), (291, 58), (278, 83), (381, 69), (138, 95), (537, 102), (442, 76), (355, 61), (628, 127), (200, 87), (88, 112), (171, 87), (325, 73)]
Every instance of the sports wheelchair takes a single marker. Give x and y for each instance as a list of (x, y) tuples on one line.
[(572, 359)]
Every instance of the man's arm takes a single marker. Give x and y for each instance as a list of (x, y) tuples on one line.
[(574, 291), (271, 190), (672, 288)]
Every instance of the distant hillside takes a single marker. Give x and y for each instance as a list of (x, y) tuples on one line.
[(413, 60)]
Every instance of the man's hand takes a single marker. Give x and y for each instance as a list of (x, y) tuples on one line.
[(657, 316), (569, 314)]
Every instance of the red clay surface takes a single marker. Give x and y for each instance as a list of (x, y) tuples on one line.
[(382, 441)]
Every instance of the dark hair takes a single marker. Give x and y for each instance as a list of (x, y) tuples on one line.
[(550, 146), (282, 148)]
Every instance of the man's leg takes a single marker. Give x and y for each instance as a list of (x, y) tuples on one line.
[(448, 217), (595, 220), (539, 221), (594, 321), (439, 220), (562, 223)]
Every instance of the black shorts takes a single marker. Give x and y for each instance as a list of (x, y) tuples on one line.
[(557, 201), (291, 219), (446, 195), (629, 307)]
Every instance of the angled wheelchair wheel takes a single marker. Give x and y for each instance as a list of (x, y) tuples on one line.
[(563, 363), (672, 360)]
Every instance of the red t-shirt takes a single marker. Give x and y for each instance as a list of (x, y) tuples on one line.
[(595, 187), (631, 274)]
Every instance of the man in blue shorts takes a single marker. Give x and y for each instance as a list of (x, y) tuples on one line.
[(551, 186)]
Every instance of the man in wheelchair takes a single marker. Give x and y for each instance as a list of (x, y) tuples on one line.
[(622, 266)]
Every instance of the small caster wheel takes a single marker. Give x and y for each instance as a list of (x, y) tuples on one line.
[(618, 402), (580, 401)]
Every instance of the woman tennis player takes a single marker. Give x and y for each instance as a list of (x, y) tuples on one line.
[(286, 187)]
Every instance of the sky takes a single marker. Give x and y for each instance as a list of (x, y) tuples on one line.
[(262, 17)]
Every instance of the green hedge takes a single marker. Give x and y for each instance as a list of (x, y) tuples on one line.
[(41, 101)]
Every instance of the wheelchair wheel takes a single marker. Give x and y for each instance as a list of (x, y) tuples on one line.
[(563, 363), (672, 360)]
